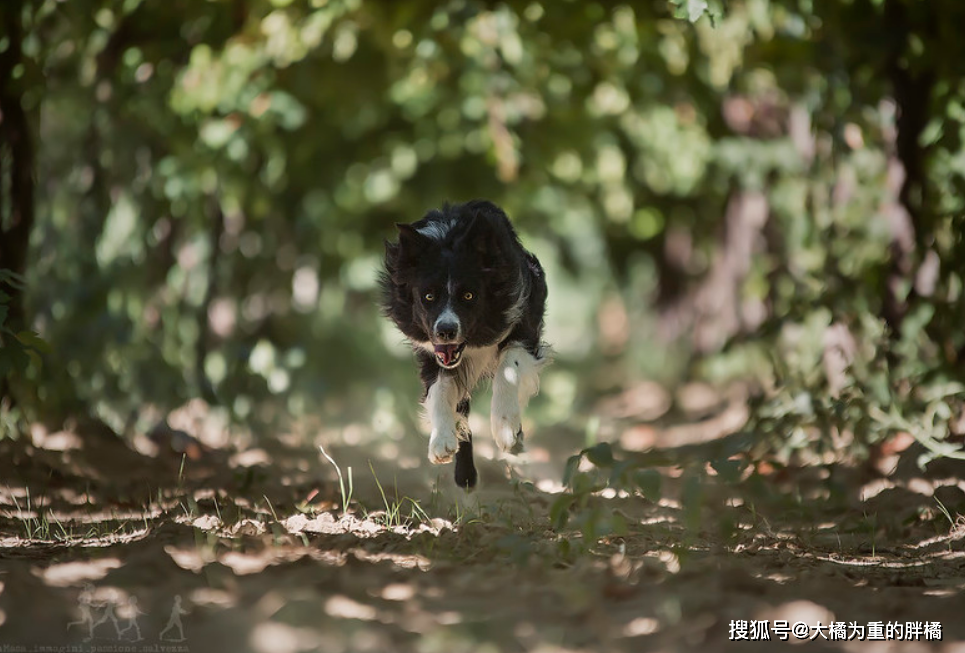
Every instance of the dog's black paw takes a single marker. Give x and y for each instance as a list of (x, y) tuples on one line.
[(465, 472)]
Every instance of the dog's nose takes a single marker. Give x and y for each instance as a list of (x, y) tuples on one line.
[(447, 331)]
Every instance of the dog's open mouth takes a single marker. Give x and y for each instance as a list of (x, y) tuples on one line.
[(449, 355)]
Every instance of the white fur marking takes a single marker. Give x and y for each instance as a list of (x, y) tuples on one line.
[(512, 377), (436, 230), (515, 382), (441, 410), (477, 362), (515, 312)]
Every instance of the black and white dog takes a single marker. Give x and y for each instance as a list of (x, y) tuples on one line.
[(470, 299)]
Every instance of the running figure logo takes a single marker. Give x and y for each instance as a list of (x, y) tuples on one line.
[(174, 621), (132, 620), (87, 606), (108, 616), (84, 604)]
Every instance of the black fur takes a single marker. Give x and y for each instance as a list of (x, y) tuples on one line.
[(498, 295), (465, 470)]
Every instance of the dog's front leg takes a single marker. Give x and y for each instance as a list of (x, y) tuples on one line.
[(515, 381), (440, 403)]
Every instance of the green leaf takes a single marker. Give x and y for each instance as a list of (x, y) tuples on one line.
[(600, 455), (584, 484), (16, 356), (572, 464), (916, 321), (590, 525), (737, 443), (34, 341), (691, 500), (560, 511), (12, 279), (648, 480), (618, 524), (618, 474), (728, 470), (564, 548), (696, 9), (35, 358)]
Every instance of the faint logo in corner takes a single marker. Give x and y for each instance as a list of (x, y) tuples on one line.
[(100, 619)]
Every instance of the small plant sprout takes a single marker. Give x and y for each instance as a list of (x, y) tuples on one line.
[(346, 497), (393, 508)]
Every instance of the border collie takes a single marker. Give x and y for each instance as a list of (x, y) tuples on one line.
[(470, 300)]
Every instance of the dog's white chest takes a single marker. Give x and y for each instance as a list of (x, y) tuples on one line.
[(477, 363)]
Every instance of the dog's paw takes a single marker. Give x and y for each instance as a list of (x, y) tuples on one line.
[(518, 447), (508, 433), (442, 445)]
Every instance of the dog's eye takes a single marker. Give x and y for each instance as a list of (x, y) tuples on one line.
[(429, 297), (467, 296)]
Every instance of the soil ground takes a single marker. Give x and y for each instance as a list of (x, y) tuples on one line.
[(198, 539)]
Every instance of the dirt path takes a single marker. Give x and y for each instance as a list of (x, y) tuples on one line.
[(247, 550)]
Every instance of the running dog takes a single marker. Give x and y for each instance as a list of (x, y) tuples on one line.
[(470, 299)]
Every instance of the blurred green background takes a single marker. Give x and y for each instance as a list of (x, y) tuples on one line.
[(197, 193)]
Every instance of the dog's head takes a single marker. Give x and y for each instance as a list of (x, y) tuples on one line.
[(448, 281)]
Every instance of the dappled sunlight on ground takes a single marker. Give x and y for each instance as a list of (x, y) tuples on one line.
[(254, 539)]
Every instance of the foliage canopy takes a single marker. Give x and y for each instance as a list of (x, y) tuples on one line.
[(775, 190)]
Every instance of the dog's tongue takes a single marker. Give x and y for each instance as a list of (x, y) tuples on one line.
[(445, 353)]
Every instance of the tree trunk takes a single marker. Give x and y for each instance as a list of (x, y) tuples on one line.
[(16, 150), (912, 92), (16, 145)]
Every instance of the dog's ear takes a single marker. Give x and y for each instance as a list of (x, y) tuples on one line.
[(410, 240), (402, 256), (480, 237)]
